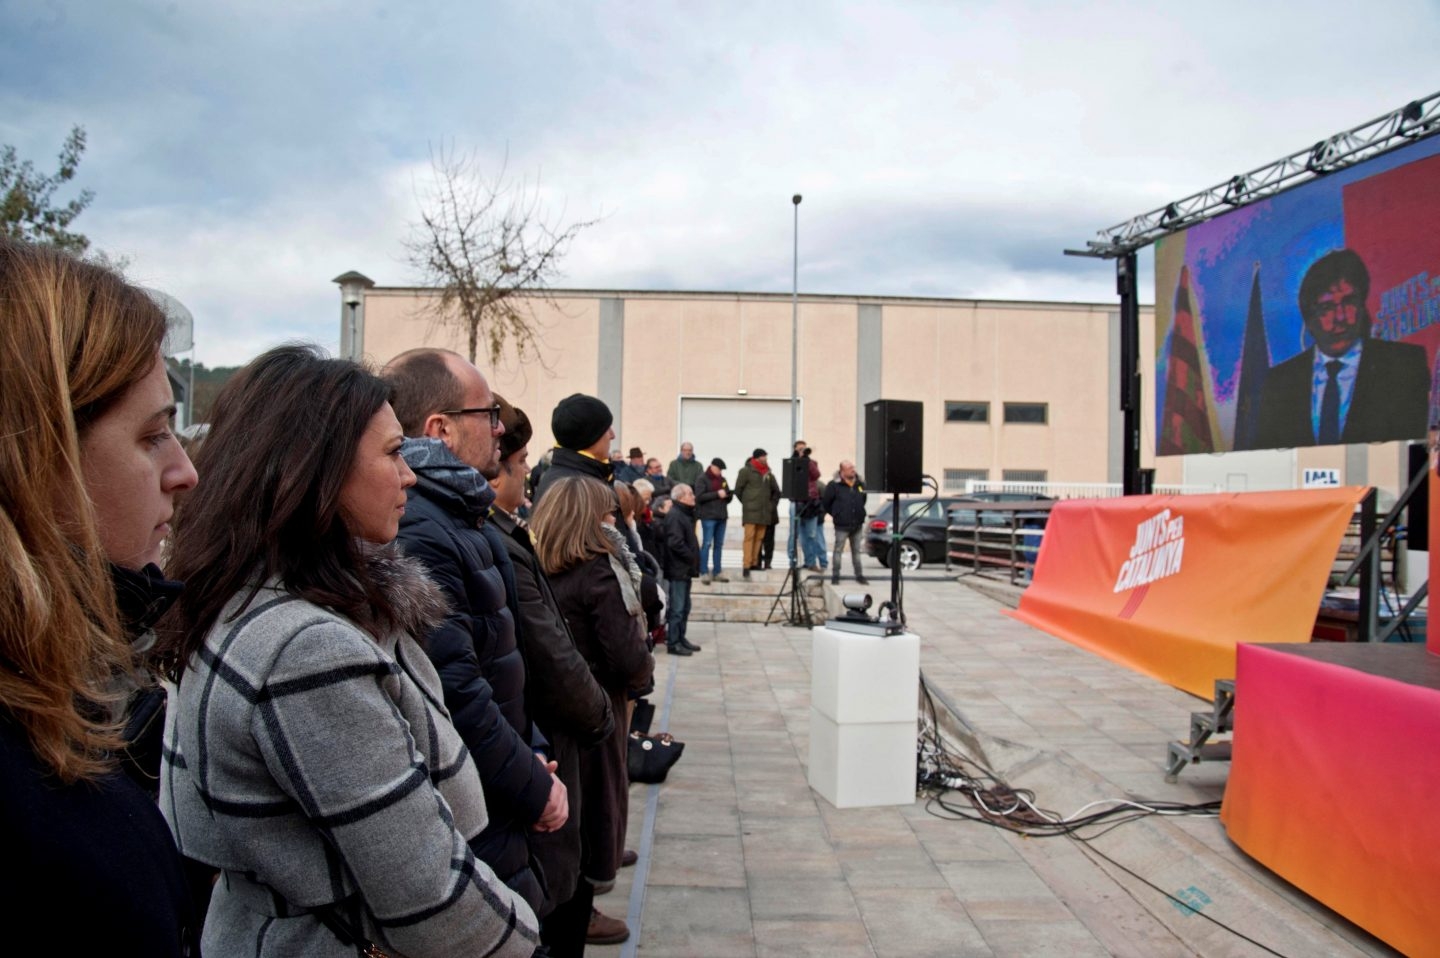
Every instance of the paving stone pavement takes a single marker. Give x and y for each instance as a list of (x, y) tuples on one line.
[(740, 858)]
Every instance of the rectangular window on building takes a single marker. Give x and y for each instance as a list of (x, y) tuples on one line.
[(955, 479), (1028, 412), (967, 411), (1025, 475)]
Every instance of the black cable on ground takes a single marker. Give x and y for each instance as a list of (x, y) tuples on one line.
[(988, 799)]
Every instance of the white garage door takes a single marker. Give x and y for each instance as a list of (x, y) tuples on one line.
[(734, 428)]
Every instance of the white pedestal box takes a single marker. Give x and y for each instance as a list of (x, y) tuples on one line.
[(863, 694)]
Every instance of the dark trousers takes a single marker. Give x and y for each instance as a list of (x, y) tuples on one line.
[(767, 546), (853, 537), (677, 615), (563, 930)]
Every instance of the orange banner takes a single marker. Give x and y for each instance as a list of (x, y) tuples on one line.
[(1168, 585), (1432, 632)]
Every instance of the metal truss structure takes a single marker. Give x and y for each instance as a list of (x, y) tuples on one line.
[(1414, 121)]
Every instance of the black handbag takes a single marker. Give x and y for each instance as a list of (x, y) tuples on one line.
[(651, 756), (643, 715)]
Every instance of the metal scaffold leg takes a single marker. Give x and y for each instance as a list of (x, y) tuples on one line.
[(1203, 725)]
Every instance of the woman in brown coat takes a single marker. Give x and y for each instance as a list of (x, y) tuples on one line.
[(600, 600)]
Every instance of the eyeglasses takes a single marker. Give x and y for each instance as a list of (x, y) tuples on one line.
[(492, 411)]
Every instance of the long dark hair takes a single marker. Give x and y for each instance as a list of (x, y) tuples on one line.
[(281, 443)]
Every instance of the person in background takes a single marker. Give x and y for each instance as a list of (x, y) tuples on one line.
[(307, 755), (452, 427), (767, 541), (685, 467), (655, 475), (89, 474), (638, 561), (600, 599), (807, 518), (844, 502), (712, 507), (537, 473), (758, 493), (646, 525), (563, 697), (682, 564), (634, 468)]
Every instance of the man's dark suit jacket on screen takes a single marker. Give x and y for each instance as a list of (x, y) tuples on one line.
[(1390, 399)]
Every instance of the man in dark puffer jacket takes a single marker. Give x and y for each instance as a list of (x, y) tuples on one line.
[(445, 402)]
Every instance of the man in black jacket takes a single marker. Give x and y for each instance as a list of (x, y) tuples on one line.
[(844, 500), (581, 426), (560, 691), (712, 508), (682, 563), (444, 401)]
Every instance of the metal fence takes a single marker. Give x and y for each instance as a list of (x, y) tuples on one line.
[(1077, 490)]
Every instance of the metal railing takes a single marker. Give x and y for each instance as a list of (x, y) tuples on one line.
[(1366, 566), (995, 537), (1078, 490)]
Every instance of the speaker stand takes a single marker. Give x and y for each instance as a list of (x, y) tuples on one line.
[(895, 551), (799, 605)]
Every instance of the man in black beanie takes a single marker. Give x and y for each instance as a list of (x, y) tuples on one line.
[(581, 425), (563, 697)]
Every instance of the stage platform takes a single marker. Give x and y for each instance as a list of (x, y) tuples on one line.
[(1334, 779)]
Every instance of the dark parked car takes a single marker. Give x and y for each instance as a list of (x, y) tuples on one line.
[(924, 538)]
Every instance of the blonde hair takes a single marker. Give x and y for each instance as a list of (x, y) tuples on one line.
[(74, 338), (566, 522)]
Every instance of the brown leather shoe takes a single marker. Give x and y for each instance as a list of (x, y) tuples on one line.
[(629, 858), (605, 930)]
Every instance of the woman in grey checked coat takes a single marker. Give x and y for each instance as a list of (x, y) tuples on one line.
[(308, 754)]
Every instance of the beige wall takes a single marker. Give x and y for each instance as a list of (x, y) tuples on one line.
[(716, 345)]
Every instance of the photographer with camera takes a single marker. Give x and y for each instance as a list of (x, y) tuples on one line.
[(806, 514)]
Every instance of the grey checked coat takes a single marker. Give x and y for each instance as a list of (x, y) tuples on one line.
[(314, 766)]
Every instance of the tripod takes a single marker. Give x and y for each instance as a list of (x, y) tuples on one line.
[(799, 605)]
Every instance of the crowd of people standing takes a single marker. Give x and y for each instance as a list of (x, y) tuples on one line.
[(358, 677)]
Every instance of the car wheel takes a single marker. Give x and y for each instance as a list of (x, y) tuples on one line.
[(910, 557)]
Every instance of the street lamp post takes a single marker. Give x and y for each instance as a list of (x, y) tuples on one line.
[(795, 329)]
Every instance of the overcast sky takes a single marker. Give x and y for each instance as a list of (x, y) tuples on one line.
[(245, 153)]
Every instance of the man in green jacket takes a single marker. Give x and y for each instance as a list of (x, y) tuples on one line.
[(685, 467), (758, 492)]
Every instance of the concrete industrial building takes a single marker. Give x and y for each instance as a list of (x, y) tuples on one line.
[(1018, 391)]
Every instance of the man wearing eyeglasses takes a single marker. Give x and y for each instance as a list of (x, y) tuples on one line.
[(452, 419)]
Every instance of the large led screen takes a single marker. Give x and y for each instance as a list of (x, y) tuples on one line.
[(1310, 318)]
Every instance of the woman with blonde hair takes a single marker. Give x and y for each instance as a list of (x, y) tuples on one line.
[(308, 754), (599, 596), (89, 471)]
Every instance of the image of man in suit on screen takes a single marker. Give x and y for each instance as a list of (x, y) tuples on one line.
[(1347, 387)]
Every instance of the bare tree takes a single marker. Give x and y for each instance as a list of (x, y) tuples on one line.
[(481, 242)]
